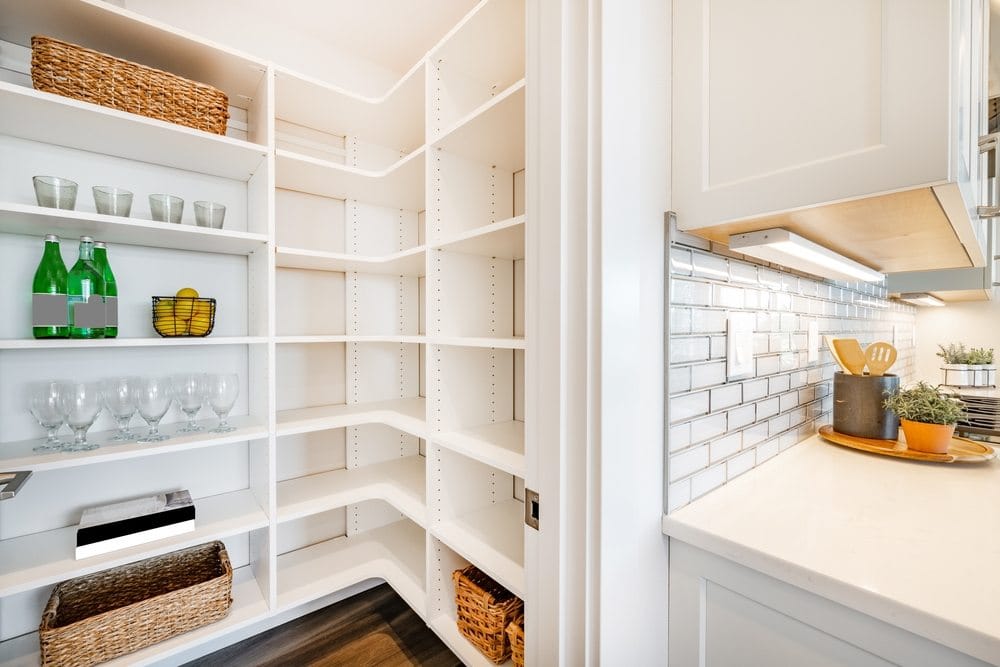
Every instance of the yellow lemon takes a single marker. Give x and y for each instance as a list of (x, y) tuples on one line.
[(202, 309), (168, 325), (163, 308), (184, 308), (199, 326), (187, 292)]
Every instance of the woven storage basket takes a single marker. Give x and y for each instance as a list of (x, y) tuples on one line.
[(485, 608), (83, 74), (515, 634), (101, 616)]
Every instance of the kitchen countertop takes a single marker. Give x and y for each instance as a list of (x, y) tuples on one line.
[(914, 544)]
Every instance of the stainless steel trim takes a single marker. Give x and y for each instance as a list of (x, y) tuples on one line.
[(10, 487)]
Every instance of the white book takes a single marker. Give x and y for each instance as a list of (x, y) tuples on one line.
[(134, 539)]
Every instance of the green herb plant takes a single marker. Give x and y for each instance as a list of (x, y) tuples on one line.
[(954, 353), (924, 403), (980, 356)]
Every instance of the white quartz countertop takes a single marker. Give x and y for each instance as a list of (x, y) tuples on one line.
[(914, 544)]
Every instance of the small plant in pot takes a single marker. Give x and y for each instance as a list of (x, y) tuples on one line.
[(957, 372), (927, 416), (981, 360)]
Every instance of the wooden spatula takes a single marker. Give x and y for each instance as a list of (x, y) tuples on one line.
[(880, 357), (836, 357), (850, 354)]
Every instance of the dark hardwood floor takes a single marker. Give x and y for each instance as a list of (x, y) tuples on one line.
[(373, 628)]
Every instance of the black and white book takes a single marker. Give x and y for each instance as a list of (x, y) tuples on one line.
[(132, 522)]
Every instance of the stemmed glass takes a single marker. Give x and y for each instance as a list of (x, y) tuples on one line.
[(222, 392), (47, 402), (119, 399), (83, 405), (153, 397), (189, 390)]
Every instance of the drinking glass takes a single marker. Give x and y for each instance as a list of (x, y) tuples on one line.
[(55, 192), (83, 405), (189, 390), (110, 200), (153, 397), (166, 208), (209, 214), (47, 402), (119, 399), (222, 392)]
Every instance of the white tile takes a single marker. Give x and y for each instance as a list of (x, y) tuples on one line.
[(728, 297), (765, 409), (767, 365), (708, 375), (727, 396), (797, 417), (788, 440), (777, 384), (741, 416), (704, 320), (690, 292), (682, 408), (743, 273), (680, 320), (724, 447), (678, 494), (754, 389), (706, 481), (814, 375), (800, 341), (710, 266), (767, 450), (765, 322), (679, 437), (761, 343), (688, 349), (821, 389), (779, 342), (754, 299), (707, 428), (754, 434), (769, 278), (789, 283), (778, 424), (685, 463), (789, 322), (806, 394), (718, 349), (797, 379), (680, 261), (738, 465), (788, 361), (800, 305), (789, 400), (781, 302), (679, 379)]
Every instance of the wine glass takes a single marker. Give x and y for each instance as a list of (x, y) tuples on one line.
[(119, 399), (153, 397), (83, 404), (47, 402), (222, 392), (189, 390)]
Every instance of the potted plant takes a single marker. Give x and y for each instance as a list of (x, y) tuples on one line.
[(981, 360), (957, 372), (927, 416)]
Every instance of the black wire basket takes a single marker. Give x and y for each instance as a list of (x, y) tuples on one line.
[(183, 316)]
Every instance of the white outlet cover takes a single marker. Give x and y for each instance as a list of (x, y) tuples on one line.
[(739, 345), (813, 342)]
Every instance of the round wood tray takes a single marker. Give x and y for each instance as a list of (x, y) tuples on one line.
[(960, 451)]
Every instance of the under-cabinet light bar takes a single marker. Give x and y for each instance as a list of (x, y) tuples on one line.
[(921, 299), (789, 249)]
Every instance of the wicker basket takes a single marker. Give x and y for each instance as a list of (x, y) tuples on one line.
[(515, 633), (83, 74), (485, 608), (101, 616)]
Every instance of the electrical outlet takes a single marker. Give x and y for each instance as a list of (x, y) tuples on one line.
[(739, 345)]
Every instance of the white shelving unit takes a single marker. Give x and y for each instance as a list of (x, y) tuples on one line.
[(370, 281)]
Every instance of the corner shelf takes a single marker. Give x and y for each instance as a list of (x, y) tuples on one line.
[(405, 263), (512, 343), (500, 445), (492, 133), (503, 240), (40, 559), (36, 221), (19, 455), (399, 482), (76, 343), (405, 414)]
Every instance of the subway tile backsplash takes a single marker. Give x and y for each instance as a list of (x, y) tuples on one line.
[(719, 429)]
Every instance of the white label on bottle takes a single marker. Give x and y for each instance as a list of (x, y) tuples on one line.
[(48, 310), (111, 307)]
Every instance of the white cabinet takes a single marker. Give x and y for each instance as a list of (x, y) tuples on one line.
[(371, 281), (782, 106), (723, 614)]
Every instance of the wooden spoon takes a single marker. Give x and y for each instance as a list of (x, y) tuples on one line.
[(836, 357), (880, 357), (851, 355)]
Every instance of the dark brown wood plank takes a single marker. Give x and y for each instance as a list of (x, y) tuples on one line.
[(373, 628)]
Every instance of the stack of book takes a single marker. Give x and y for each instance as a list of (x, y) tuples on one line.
[(126, 524)]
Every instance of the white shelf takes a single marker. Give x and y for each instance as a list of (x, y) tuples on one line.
[(395, 553), (493, 133), (404, 263), (248, 607), (399, 186), (500, 445), (405, 414), (350, 338), (37, 221), (399, 482), (78, 343), (503, 240), (444, 626), (513, 343), (41, 559), (19, 455), (492, 539), (52, 119), (393, 120)]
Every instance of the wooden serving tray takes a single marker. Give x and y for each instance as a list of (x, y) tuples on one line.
[(961, 450)]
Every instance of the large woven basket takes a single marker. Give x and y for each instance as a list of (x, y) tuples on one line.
[(83, 74), (101, 616), (515, 634), (485, 608)]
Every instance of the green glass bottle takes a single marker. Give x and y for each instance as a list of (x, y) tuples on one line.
[(48, 298), (110, 289), (85, 295)]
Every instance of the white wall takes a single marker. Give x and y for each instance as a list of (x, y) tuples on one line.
[(976, 323)]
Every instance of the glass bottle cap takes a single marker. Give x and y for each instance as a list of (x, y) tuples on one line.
[(100, 244), (52, 237), (86, 239)]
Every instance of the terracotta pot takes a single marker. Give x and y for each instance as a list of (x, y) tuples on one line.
[(930, 438)]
